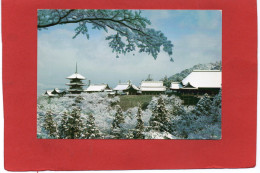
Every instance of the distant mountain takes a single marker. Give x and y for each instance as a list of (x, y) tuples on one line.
[(178, 77)]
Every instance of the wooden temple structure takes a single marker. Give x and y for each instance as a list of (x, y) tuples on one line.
[(76, 83)]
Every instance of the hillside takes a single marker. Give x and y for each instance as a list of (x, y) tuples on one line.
[(210, 66)]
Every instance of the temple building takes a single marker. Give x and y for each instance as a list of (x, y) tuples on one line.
[(127, 89), (49, 93), (76, 84), (98, 88), (199, 82), (152, 87)]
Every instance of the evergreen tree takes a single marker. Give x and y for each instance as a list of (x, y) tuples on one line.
[(217, 107), (160, 119), (78, 99), (119, 118), (203, 107), (92, 131), (130, 134), (74, 125), (166, 82), (63, 128), (177, 108), (50, 125), (116, 124), (139, 129)]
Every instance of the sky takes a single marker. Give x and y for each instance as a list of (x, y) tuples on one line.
[(196, 35)]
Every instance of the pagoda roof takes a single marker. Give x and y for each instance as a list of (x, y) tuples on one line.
[(81, 84), (76, 76), (75, 90)]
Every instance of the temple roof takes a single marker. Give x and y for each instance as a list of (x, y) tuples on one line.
[(152, 86), (176, 85), (125, 86), (204, 79), (97, 87)]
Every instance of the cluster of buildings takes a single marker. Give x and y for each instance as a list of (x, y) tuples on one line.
[(197, 82)]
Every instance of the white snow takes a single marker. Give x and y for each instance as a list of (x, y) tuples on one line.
[(152, 86), (121, 87), (204, 79), (96, 88), (176, 85), (76, 76)]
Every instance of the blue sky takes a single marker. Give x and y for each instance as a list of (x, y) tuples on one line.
[(196, 35)]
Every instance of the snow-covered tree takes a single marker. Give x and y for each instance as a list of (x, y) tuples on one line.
[(203, 107), (160, 119), (166, 82), (139, 129), (117, 123), (119, 117), (78, 99), (216, 108), (63, 129), (130, 28), (50, 125), (74, 125), (204, 122), (91, 131)]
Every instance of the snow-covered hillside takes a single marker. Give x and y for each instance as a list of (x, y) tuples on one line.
[(97, 115)]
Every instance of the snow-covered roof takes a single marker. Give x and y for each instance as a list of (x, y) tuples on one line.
[(121, 87), (76, 76), (97, 88), (58, 90), (204, 79), (176, 85), (152, 86), (49, 93)]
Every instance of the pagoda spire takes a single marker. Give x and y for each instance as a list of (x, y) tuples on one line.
[(76, 68)]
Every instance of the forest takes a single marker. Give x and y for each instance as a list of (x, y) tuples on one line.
[(100, 116)]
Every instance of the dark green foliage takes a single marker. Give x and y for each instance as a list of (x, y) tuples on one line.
[(130, 101), (50, 125), (166, 82)]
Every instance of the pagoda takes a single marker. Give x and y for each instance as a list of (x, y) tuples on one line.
[(76, 84)]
